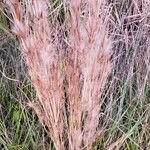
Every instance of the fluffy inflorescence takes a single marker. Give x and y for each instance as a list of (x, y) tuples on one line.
[(69, 97)]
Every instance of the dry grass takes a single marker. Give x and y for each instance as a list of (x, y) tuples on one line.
[(87, 66), (42, 60), (68, 57), (87, 69)]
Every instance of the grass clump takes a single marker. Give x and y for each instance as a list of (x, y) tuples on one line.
[(88, 94)]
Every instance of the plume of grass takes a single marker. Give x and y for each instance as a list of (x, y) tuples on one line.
[(85, 70), (31, 27)]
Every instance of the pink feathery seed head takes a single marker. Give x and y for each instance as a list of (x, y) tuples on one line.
[(15, 8), (86, 68), (40, 8), (19, 28)]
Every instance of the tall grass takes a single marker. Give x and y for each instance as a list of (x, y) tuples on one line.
[(85, 71), (87, 68), (120, 118)]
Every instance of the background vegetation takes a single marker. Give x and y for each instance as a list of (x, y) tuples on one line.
[(128, 89)]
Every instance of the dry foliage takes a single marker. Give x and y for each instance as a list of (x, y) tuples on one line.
[(69, 80)]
